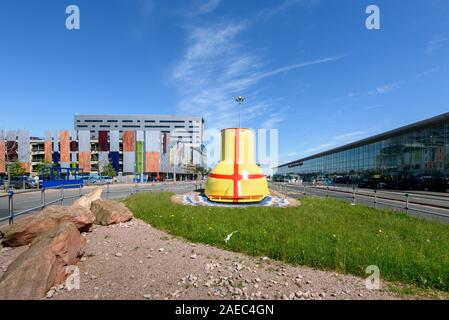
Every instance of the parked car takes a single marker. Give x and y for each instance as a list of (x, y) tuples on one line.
[(89, 180), (429, 183), (107, 180), (21, 182)]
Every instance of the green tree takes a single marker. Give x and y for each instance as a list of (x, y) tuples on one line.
[(44, 165), (108, 171), (16, 169), (200, 171)]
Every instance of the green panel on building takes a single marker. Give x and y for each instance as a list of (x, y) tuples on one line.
[(139, 156)]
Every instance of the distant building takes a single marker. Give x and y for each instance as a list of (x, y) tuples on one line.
[(147, 145), (414, 156), (190, 128)]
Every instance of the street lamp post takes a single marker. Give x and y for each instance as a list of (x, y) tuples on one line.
[(240, 100)]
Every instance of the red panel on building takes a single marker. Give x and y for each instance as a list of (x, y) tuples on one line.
[(64, 145), (152, 162), (84, 162), (11, 150), (73, 146), (103, 143), (129, 141)]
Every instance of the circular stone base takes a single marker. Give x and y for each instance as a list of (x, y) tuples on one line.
[(198, 199)]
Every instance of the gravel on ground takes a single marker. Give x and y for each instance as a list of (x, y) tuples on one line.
[(134, 261)]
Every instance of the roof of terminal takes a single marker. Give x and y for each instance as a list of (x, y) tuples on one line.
[(376, 138)]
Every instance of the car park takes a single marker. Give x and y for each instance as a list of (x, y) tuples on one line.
[(23, 183), (107, 180)]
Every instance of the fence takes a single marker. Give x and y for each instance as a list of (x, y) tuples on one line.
[(61, 197), (403, 201), (118, 191)]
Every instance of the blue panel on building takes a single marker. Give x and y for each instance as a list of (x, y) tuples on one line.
[(114, 160), (55, 157)]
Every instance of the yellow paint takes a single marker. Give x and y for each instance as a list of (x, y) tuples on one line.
[(246, 185)]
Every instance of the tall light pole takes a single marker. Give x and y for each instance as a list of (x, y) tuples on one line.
[(240, 100)]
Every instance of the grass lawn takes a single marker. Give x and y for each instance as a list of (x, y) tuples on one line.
[(323, 233)]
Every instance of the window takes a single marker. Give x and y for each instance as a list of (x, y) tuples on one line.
[(93, 121), (172, 121)]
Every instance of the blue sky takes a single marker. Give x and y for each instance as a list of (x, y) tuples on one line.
[(309, 68)]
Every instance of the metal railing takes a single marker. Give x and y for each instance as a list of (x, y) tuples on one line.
[(404, 201), (151, 187), (11, 195), (109, 190)]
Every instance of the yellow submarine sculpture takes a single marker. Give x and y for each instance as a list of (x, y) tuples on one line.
[(237, 178)]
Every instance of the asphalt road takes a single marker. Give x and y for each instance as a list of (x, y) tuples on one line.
[(420, 204), (33, 199)]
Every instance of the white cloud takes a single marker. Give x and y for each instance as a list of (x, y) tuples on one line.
[(319, 148), (273, 120), (390, 87), (201, 7), (285, 6), (349, 136), (334, 142), (209, 6), (436, 43), (216, 67)]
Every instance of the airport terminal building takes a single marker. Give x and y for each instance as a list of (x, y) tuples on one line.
[(407, 157)]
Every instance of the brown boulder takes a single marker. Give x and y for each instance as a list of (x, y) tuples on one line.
[(43, 265), (25, 230), (86, 201), (109, 212)]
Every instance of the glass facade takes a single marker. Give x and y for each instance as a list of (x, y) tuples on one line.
[(411, 156)]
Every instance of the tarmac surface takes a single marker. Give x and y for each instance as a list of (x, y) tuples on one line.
[(33, 199)]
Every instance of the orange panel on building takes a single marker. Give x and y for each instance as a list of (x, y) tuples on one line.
[(48, 149), (64, 145), (129, 141), (26, 166), (2, 157), (152, 162), (84, 161)]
